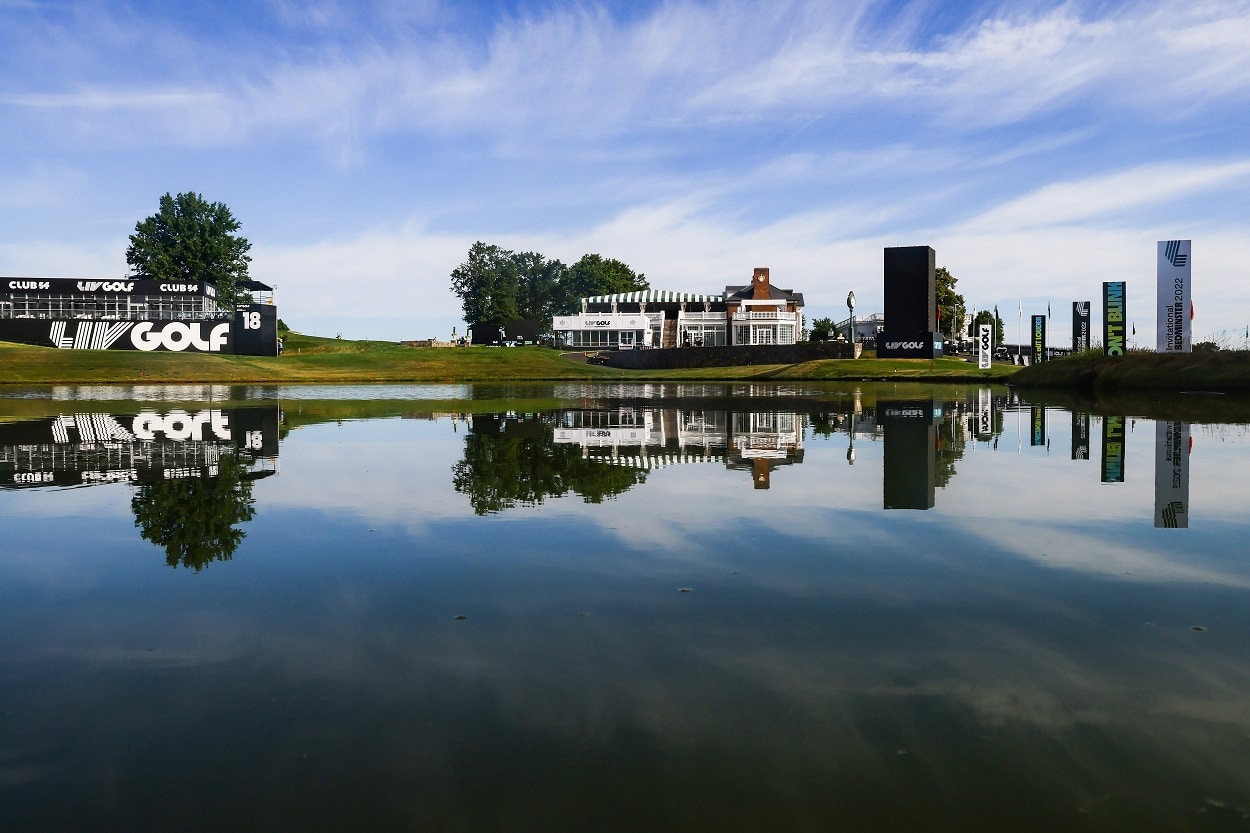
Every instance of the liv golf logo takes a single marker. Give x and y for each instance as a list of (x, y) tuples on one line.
[(173, 336)]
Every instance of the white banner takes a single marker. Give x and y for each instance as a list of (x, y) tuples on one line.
[(1173, 326), (985, 345)]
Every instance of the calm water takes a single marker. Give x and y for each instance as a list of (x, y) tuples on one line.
[(621, 608)]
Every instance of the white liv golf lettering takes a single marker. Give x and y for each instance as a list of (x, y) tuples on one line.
[(177, 337), (904, 345)]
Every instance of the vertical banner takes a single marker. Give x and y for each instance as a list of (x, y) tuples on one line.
[(1037, 423), (1173, 325), (1171, 475), (1039, 338), (1080, 326), (1080, 436), (1113, 449), (985, 345), (1113, 315), (985, 413)]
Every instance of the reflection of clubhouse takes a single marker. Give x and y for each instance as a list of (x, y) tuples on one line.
[(652, 438)]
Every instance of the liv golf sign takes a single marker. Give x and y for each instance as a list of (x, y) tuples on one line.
[(1173, 323)]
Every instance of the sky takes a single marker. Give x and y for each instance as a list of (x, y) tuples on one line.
[(1039, 148)]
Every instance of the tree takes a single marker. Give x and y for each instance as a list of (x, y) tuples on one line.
[(597, 275), (190, 240), (986, 317), (539, 294), (950, 304), (486, 284), (821, 329)]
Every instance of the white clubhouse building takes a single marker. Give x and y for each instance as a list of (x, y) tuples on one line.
[(756, 313)]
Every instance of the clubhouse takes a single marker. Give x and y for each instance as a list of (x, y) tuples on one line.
[(754, 313)]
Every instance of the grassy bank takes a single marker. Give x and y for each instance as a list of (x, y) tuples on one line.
[(1225, 371), (314, 360)]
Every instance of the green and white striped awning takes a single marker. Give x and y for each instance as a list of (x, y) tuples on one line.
[(654, 296)]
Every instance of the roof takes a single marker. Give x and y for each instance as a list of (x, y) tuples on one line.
[(775, 293), (654, 296)]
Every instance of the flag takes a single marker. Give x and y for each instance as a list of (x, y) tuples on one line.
[(1134, 328), (1048, 310)]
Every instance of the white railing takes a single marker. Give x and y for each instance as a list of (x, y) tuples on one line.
[(700, 316), (765, 316)]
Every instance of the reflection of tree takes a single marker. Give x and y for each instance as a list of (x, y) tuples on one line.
[(194, 518), (511, 462), (952, 443)]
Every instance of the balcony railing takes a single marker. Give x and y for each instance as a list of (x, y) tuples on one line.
[(765, 316)]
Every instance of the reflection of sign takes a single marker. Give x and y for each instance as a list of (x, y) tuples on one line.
[(1172, 333), (985, 346), (91, 448), (1080, 436), (1113, 449), (181, 425), (1171, 475), (985, 413), (1038, 421), (909, 454), (1113, 315)]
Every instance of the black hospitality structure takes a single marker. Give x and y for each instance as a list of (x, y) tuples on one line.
[(911, 330), (133, 314)]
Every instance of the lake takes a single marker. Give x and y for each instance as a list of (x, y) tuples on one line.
[(622, 607)]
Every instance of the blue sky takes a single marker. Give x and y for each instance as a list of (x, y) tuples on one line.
[(1040, 148)]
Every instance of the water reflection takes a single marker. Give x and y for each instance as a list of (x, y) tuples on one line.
[(192, 469), (428, 627), (512, 460), (194, 516)]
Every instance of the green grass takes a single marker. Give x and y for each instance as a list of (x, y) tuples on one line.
[(315, 360), (1224, 371)]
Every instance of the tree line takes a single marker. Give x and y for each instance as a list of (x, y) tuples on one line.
[(496, 285)]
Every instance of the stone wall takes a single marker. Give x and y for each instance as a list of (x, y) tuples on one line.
[(729, 356)]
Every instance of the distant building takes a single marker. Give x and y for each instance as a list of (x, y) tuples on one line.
[(754, 313)]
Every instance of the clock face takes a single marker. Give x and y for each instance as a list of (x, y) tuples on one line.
[(759, 277)]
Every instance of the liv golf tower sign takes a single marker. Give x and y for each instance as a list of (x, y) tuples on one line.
[(910, 305), (1173, 325)]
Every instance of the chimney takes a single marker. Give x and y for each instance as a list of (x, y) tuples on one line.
[(760, 283), (760, 470)]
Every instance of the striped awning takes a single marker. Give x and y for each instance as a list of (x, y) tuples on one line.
[(652, 461), (654, 296)]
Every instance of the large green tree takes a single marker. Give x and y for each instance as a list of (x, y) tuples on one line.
[(986, 317), (950, 303), (538, 286), (188, 240), (821, 329), (486, 284), (495, 285), (598, 275)]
